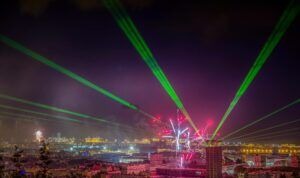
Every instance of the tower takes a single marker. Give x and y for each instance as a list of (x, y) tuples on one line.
[(213, 162)]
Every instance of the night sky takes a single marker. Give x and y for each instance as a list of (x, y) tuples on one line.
[(205, 48)]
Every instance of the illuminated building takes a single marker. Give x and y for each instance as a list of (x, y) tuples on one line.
[(96, 140), (214, 162), (256, 150), (38, 135), (295, 161), (134, 168), (142, 141), (156, 159), (260, 160), (155, 139), (181, 172), (288, 150)]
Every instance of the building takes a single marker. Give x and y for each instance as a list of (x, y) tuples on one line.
[(214, 162), (180, 172), (156, 159), (134, 168), (295, 161), (260, 160)]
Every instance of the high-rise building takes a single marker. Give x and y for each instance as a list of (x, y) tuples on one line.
[(213, 162)]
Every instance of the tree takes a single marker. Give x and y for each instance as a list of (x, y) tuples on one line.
[(295, 174), (16, 159), (2, 166), (44, 160), (239, 161)]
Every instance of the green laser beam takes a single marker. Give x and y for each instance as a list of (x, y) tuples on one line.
[(122, 23), (52, 108), (125, 27), (285, 21), (266, 129), (126, 24), (40, 113), (263, 118), (26, 116), (69, 73), (23, 119), (20, 118), (44, 114), (272, 133), (274, 136), (32, 118)]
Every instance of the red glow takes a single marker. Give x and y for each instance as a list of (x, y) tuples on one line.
[(181, 119), (210, 122), (197, 134), (167, 131), (156, 119)]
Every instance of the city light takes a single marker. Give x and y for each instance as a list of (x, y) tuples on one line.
[(38, 135)]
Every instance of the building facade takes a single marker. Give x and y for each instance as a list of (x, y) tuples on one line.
[(214, 162)]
